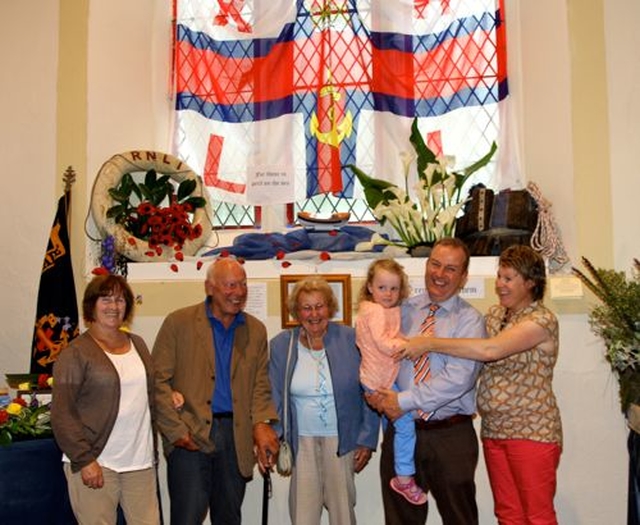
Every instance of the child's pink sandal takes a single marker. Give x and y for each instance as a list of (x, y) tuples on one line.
[(411, 492)]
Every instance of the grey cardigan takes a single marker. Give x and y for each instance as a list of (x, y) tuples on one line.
[(86, 396)]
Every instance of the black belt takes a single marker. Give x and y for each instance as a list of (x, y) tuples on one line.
[(222, 415), (434, 424)]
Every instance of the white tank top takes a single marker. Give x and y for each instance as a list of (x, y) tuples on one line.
[(130, 444)]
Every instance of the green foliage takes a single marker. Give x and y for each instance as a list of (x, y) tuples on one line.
[(154, 190), (18, 422), (616, 319), (375, 190)]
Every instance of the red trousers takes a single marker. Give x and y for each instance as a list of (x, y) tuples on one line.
[(522, 474)]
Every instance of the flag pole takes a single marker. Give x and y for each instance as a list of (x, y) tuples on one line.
[(68, 177)]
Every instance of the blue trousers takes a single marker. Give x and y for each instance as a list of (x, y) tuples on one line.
[(201, 482), (404, 445), (404, 440)]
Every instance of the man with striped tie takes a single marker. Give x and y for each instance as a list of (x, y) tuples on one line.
[(441, 393)]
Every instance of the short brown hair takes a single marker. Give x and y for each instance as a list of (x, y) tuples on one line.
[(454, 242), (312, 284), (104, 286), (528, 263)]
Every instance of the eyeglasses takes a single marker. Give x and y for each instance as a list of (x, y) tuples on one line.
[(112, 299), (309, 308)]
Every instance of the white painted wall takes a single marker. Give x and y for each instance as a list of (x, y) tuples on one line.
[(126, 110), (623, 72), (29, 62)]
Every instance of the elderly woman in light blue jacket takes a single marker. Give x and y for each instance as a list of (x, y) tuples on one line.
[(331, 429)]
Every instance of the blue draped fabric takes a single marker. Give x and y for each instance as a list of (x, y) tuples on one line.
[(260, 246)]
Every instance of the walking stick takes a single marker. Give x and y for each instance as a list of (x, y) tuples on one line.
[(266, 494)]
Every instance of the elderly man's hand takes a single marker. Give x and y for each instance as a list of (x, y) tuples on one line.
[(265, 445), (186, 442), (386, 402)]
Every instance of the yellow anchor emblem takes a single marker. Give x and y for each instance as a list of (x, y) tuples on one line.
[(339, 130)]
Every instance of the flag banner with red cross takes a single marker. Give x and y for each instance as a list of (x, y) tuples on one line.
[(290, 92)]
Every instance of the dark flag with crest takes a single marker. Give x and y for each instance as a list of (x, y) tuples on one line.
[(57, 311)]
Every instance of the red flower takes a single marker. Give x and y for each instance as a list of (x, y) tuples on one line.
[(145, 208), (324, 256), (179, 256), (20, 401), (224, 253), (100, 270), (131, 241), (150, 253), (181, 232), (285, 264), (166, 240), (174, 267), (42, 381), (280, 255), (4, 416), (199, 265)]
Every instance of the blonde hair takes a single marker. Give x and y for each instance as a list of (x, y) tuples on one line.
[(391, 266)]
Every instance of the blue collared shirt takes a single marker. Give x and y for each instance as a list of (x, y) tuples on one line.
[(223, 343), (451, 387)]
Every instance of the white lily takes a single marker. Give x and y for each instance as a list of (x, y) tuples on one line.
[(426, 212)]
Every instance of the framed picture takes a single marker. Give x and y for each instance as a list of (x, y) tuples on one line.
[(340, 284)]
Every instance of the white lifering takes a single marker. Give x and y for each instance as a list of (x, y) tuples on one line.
[(109, 177)]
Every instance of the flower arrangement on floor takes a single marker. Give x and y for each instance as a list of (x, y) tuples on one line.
[(426, 212), (24, 419), (163, 216), (616, 319)]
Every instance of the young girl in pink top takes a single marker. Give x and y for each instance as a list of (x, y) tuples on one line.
[(377, 336)]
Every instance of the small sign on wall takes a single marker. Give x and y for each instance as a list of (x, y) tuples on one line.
[(473, 289), (273, 185)]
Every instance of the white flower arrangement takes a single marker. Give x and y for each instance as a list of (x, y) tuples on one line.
[(438, 195)]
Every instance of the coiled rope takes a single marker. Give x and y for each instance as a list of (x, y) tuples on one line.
[(546, 238)]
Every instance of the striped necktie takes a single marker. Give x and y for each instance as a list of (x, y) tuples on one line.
[(421, 366)]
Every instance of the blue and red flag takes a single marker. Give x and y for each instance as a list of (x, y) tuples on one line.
[(306, 87)]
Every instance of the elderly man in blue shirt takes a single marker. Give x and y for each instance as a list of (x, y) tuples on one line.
[(442, 399)]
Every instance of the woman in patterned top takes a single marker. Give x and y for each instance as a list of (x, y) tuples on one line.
[(521, 428)]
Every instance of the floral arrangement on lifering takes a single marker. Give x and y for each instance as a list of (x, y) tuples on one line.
[(161, 215)]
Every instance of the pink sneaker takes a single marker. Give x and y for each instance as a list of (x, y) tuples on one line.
[(411, 492)]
